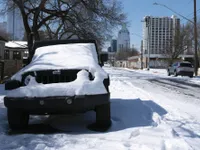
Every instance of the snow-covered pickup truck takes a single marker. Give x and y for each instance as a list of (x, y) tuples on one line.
[(63, 76)]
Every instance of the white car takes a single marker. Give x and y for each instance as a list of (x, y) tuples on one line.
[(181, 68)]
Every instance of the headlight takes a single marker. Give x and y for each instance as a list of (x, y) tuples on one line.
[(27, 80)]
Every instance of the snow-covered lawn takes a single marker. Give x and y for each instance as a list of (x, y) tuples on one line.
[(145, 116)]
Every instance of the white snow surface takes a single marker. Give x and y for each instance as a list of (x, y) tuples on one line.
[(163, 72), (64, 56), (16, 44), (148, 112)]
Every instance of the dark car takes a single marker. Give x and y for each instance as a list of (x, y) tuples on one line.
[(181, 68), (63, 77)]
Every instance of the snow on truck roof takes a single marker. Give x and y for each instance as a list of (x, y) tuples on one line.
[(64, 56)]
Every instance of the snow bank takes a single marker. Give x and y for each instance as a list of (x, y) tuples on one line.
[(151, 71)]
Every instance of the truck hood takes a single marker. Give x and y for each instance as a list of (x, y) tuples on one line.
[(64, 56)]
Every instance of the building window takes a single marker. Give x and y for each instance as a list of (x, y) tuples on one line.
[(16, 55), (6, 54), (26, 53)]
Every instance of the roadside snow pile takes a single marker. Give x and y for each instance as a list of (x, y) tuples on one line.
[(152, 71), (81, 86), (163, 73), (64, 56)]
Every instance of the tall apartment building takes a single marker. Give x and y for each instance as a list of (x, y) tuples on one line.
[(123, 40), (159, 32)]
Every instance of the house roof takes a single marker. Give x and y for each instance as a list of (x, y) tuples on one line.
[(16, 45), (3, 39), (134, 57)]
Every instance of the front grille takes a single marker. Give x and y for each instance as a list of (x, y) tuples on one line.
[(47, 76)]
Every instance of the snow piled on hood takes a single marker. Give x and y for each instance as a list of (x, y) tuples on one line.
[(64, 56), (81, 86)]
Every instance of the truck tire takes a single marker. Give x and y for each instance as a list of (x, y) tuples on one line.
[(17, 119), (191, 76), (103, 118), (175, 73), (168, 73)]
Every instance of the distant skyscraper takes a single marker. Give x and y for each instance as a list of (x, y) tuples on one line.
[(109, 49), (114, 45), (2, 17), (159, 32), (123, 40), (15, 25)]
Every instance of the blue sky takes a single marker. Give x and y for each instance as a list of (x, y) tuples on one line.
[(137, 9)]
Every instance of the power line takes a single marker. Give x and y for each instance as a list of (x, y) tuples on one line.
[(190, 15)]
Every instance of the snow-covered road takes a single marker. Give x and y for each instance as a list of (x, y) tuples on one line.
[(148, 111)]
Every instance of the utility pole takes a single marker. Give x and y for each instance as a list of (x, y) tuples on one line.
[(142, 54), (196, 65), (147, 20)]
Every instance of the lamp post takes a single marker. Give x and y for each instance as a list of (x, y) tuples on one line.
[(195, 32)]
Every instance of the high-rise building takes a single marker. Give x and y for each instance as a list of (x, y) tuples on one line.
[(123, 40), (109, 49), (15, 25), (158, 34), (114, 45), (2, 17)]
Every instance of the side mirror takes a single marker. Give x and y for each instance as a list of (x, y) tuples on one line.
[(12, 84), (103, 58)]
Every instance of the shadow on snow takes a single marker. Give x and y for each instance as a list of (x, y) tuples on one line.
[(125, 113)]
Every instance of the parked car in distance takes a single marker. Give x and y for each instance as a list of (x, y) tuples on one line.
[(181, 68)]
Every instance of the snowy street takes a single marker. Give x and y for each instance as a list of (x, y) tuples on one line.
[(149, 111)]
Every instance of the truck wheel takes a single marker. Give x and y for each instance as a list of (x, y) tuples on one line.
[(103, 119), (168, 73), (175, 73), (17, 119)]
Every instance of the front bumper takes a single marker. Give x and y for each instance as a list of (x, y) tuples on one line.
[(57, 105)]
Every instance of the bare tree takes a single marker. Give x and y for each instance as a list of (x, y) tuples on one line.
[(4, 34), (124, 54), (181, 44), (84, 18)]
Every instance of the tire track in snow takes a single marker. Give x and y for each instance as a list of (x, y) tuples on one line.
[(176, 87), (158, 120)]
